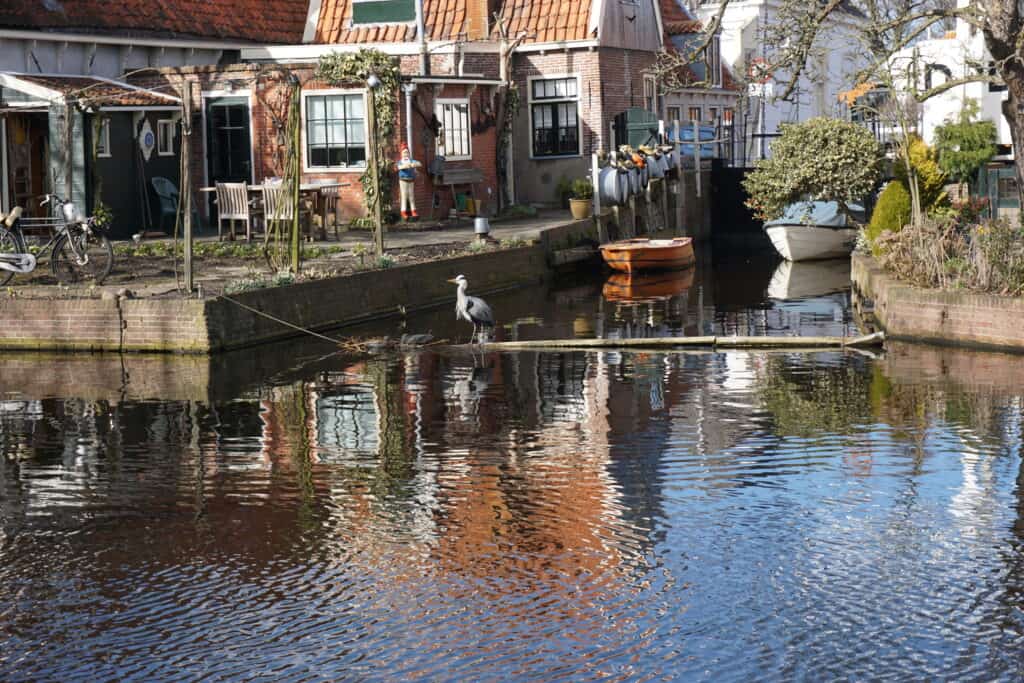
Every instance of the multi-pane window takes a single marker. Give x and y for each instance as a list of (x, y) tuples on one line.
[(693, 114), (454, 136), (674, 114), (650, 99), (727, 115), (555, 117), (713, 114), (335, 131)]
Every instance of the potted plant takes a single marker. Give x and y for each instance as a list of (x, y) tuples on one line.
[(581, 199)]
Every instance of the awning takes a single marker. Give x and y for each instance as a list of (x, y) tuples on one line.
[(93, 92)]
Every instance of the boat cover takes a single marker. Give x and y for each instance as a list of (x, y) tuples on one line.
[(820, 214)]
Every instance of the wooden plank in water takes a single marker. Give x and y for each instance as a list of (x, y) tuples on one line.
[(795, 343)]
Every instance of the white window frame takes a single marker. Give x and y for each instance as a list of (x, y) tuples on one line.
[(438, 105), (103, 150), (579, 117), (165, 134), (700, 114), (668, 115), (367, 134)]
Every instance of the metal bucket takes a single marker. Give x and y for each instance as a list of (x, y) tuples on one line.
[(481, 226), (613, 186), (634, 181), (656, 167)]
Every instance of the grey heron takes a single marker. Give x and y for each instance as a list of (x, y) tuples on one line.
[(472, 309)]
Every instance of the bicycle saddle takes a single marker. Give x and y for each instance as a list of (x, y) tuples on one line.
[(14, 215)]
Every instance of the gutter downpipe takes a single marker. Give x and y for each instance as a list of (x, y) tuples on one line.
[(408, 89)]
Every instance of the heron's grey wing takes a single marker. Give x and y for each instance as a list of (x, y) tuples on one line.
[(479, 311)]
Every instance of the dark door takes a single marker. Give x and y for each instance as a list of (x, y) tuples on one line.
[(228, 149)]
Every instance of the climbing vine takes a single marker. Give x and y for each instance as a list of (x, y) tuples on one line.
[(353, 69)]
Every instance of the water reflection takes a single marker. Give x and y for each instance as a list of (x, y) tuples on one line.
[(450, 516)]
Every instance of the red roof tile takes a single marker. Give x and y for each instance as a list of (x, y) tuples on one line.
[(279, 21), (545, 21), (446, 19), (443, 20)]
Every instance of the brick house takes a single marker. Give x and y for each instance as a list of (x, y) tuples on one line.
[(71, 61), (446, 106), (704, 91)]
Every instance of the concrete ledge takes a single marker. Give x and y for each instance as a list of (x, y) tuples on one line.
[(936, 316), (216, 324)]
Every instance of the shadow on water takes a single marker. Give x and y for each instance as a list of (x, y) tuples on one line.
[(304, 513)]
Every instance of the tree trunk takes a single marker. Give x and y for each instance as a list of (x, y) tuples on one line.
[(1015, 118), (1003, 29)]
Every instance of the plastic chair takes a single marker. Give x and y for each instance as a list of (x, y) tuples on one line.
[(167, 194), (233, 205)]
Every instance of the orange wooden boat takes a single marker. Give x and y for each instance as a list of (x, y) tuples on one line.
[(644, 287), (630, 256)]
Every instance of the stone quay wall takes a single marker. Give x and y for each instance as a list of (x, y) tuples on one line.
[(216, 324), (942, 317)]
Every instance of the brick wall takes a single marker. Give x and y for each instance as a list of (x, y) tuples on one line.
[(610, 82), (958, 318), (269, 111), (201, 326), (97, 324)]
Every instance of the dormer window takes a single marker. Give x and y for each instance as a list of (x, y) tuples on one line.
[(383, 11)]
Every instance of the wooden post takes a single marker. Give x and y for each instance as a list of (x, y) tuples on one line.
[(696, 154), (680, 181), (185, 193), (374, 168), (296, 174)]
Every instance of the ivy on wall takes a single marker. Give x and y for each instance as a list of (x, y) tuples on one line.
[(352, 69)]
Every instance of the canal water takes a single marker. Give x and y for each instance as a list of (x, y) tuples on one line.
[(291, 513)]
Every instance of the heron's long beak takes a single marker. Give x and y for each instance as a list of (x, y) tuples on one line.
[(453, 281)]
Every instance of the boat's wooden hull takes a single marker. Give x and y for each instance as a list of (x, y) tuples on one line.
[(632, 256), (656, 286), (810, 242)]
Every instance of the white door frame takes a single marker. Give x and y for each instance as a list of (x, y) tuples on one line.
[(5, 179)]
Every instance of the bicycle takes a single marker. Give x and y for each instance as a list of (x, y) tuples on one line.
[(78, 248)]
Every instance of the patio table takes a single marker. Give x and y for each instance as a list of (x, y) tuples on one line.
[(309, 188)]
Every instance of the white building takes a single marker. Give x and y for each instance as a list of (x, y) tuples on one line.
[(956, 54), (744, 26)]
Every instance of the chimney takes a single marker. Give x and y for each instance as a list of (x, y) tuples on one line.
[(478, 19)]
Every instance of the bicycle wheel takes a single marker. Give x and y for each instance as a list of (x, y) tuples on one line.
[(91, 258), (8, 245)]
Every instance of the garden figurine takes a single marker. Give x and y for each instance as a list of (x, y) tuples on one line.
[(407, 183)]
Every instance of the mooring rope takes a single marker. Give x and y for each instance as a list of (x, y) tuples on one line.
[(276, 319)]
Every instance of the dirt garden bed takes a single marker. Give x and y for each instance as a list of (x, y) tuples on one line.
[(151, 269)]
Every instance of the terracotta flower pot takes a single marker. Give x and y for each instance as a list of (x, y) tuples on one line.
[(580, 208)]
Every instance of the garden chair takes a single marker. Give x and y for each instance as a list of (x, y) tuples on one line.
[(167, 194), (278, 206), (233, 205), (331, 197)]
